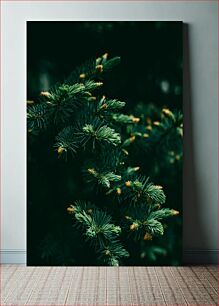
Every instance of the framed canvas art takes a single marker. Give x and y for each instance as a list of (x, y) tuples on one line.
[(104, 143)]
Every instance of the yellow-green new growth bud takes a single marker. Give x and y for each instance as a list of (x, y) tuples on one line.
[(70, 209), (82, 76), (174, 212), (128, 183), (60, 150), (147, 236), (134, 226), (168, 113), (98, 84), (99, 68), (45, 94)]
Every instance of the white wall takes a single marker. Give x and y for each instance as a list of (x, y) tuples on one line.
[(200, 100)]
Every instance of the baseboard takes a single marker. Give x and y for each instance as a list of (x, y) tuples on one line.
[(13, 256), (194, 257)]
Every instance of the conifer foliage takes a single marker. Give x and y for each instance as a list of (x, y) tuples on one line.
[(119, 204)]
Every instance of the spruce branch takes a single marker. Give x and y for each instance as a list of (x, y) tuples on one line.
[(125, 119), (163, 213), (105, 105), (81, 121), (155, 193), (111, 253), (93, 69), (99, 132), (141, 190), (105, 179), (37, 117), (164, 133), (144, 227), (154, 227), (111, 63), (103, 235), (66, 141), (64, 99)]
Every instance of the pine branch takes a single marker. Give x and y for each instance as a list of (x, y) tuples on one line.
[(164, 132), (111, 63), (105, 178), (105, 105), (71, 105), (163, 213), (96, 225), (64, 99), (145, 225), (93, 69), (153, 228), (66, 141), (99, 132), (139, 190), (37, 117), (125, 119)]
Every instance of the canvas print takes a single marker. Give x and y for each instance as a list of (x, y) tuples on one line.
[(104, 143)]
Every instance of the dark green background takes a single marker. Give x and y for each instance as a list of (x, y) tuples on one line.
[(151, 58)]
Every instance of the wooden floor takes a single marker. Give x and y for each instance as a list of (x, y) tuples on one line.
[(105, 286)]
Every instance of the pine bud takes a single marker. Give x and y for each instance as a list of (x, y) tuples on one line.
[(134, 226), (128, 218), (107, 252), (158, 187), (45, 94), (149, 127), (60, 150), (136, 168), (125, 151), (90, 211), (99, 68), (104, 106), (91, 170), (82, 76), (175, 212), (128, 183), (70, 209), (99, 84), (98, 60), (132, 138), (118, 191), (157, 206), (168, 113), (148, 121), (145, 135), (156, 123), (147, 236), (135, 119), (105, 56), (180, 131), (92, 98), (177, 157), (30, 102)]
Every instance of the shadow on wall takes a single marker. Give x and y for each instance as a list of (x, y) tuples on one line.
[(193, 228)]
